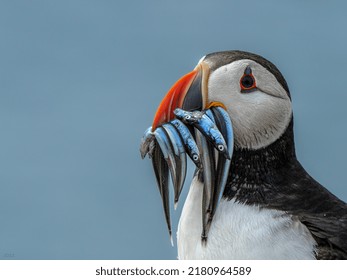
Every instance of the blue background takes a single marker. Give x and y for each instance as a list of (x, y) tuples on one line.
[(80, 81)]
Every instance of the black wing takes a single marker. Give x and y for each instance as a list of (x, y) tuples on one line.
[(323, 213)]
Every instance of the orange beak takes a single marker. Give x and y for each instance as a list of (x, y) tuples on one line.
[(188, 93)]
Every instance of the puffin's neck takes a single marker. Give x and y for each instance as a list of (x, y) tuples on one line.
[(253, 170)]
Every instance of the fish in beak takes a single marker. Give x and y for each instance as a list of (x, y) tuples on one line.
[(185, 124)]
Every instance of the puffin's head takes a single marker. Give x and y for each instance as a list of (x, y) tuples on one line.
[(249, 87)]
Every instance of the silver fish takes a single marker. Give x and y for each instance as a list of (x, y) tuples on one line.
[(210, 148), (147, 143), (161, 171), (189, 142), (224, 124), (180, 158), (207, 127), (208, 172)]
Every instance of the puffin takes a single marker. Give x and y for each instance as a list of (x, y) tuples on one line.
[(270, 207)]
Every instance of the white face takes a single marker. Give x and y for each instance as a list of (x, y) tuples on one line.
[(259, 116)]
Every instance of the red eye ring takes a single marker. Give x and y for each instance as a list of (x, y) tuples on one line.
[(247, 81)]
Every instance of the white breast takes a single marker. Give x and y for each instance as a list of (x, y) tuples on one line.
[(239, 231)]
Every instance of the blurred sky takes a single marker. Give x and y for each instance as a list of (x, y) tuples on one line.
[(80, 82)]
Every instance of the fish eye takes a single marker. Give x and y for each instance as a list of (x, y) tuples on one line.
[(195, 157)]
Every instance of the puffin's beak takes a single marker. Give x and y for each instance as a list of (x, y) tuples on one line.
[(188, 93)]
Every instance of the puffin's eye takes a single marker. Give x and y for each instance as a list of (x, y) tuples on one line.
[(247, 81)]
